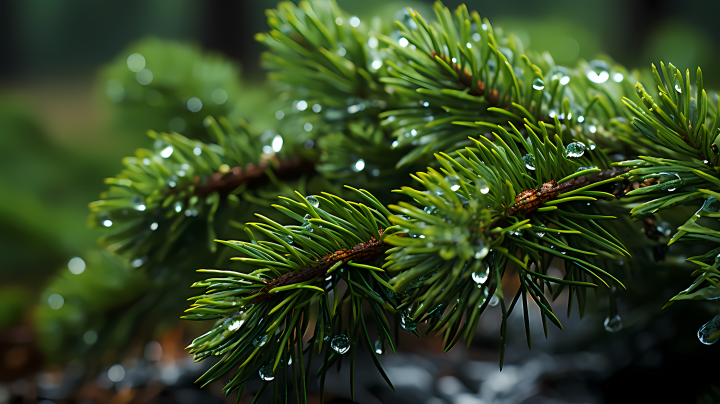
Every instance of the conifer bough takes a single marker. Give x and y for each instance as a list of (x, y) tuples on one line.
[(520, 182)]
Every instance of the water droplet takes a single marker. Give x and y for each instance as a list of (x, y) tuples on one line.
[(260, 340), (482, 186), (277, 143), (453, 181), (286, 238), (575, 150), (529, 161), (430, 210), (379, 348), (340, 344), (406, 321), (167, 152), (585, 168), (669, 181), (481, 276), (494, 300), (437, 312), (539, 234), (613, 324), (538, 84), (313, 201), (266, 373), (481, 250), (677, 86), (327, 332), (711, 205), (708, 329)]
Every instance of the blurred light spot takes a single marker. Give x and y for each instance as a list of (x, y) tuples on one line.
[(581, 119), (484, 27), (219, 96), (359, 165), (279, 115), (224, 168), (594, 77), (403, 42), (413, 132), (469, 45), (141, 208), (566, 79), (197, 151), (116, 373), (277, 142), (552, 113), (153, 351), (56, 301), (144, 77), (308, 127), (194, 104), (154, 226), (176, 124), (76, 265), (267, 149), (115, 91), (178, 207), (169, 374), (136, 62), (426, 104), (375, 172), (395, 143), (354, 21), (317, 108), (449, 385), (618, 77), (90, 337), (167, 152), (476, 37), (137, 262), (372, 42), (180, 173), (339, 21), (376, 64), (309, 144), (592, 128), (301, 105), (342, 51), (185, 166), (454, 60), (107, 222), (146, 161)]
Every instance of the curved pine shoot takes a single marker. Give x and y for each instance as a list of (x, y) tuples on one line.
[(319, 279)]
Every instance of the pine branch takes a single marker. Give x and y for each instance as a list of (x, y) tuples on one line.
[(300, 266), (685, 172)]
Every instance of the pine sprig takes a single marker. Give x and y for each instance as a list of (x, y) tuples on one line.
[(183, 183), (466, 234), (464, 73), (262, 315), (684, 122)]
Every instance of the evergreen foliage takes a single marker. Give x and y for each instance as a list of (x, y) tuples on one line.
[(520, 165)]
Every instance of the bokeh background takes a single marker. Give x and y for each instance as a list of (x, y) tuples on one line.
[(65, 126)]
